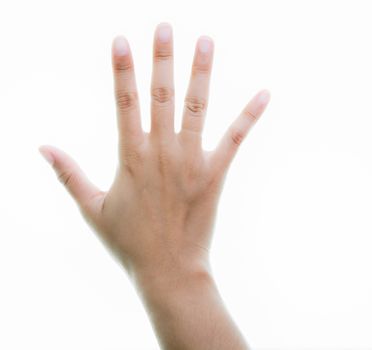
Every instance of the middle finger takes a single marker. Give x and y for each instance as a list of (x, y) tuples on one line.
[(162, 84)]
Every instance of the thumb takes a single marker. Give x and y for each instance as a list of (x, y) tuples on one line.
[(85, 193)]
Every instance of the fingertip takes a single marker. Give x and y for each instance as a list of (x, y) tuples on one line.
[(47, 154), (203, 57), (164, 32), (205, 44), (264, 96), (120, 46), (164, 23)]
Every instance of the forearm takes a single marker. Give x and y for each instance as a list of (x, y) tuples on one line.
[(187, 311)]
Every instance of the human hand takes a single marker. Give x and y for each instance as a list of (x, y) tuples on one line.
[(161, 206), (158, 215)]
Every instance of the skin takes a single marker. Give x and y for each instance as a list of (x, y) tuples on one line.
[(157, 217)]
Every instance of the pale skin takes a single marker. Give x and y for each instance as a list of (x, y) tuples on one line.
[(158, 216)]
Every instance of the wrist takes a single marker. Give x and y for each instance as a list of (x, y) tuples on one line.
[(185, 307), (159, 283)]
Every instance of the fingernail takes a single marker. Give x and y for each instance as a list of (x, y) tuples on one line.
[(164, 33), (47, 156), (121, 46), (264, 96), (204, 44)]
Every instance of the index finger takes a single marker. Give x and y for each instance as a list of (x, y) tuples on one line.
[(126, 96)]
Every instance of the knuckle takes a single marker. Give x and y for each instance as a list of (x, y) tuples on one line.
[(200, 69), (164, 160), (195, 105), (65, 177), (126, 99), (163, 55), (132, 161), (250, 115), (162, 94), (123, 65), (237, 137)]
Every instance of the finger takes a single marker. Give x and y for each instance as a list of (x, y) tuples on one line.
[(162, 84), (236, 133), (127, 106), (69, 173), (196, 99)]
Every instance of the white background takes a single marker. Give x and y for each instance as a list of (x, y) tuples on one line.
[(293, 239)]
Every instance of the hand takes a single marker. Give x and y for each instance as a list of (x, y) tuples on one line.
[(159, 213)]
